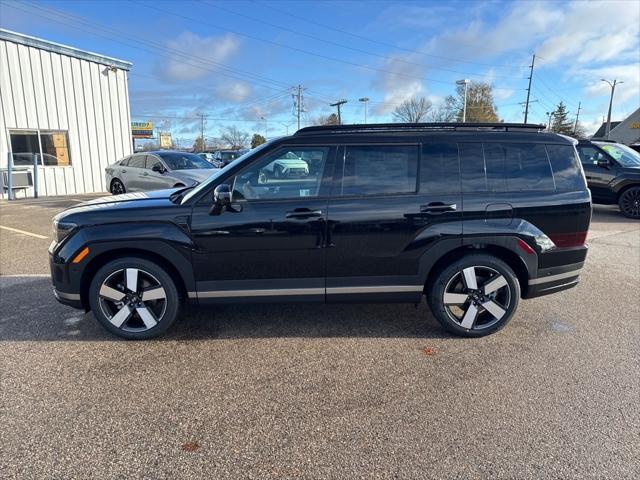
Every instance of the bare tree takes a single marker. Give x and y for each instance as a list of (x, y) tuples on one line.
[(234, 137), (445, 112), (413, 110), (331, 119)]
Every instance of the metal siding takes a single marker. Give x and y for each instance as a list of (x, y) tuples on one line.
[(46, 90)]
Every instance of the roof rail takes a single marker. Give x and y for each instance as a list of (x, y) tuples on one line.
[(422, 127)]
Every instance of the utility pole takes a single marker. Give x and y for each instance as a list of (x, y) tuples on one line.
[(613, 89), (364, 100), (202, 117), (526, 108), (298, 103), (337, 104), (575, 127)]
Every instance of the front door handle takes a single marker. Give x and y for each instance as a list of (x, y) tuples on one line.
[(303, 213), (436, 208), (124, 171)]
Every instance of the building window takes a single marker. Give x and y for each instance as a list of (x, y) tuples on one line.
[(27, 145)]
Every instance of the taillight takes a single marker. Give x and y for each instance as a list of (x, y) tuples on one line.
[(574, 239)]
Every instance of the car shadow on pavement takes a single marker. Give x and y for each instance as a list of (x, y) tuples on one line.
[(611, 214), (29, 312)]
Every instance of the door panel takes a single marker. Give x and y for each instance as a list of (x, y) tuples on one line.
[(376, 241), (154, 180), (265, 247), (598, 178)]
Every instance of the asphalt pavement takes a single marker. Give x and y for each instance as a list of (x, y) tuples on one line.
[(313, 391)]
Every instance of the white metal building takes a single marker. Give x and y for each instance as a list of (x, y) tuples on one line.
[(66, 109)]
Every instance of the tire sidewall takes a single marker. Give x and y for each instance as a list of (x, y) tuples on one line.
[(173, 297), (114, 182), (436, 293)]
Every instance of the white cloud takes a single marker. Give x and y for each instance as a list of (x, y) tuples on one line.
[(235, 92), (629, 74), (398, 82), (191, 57)]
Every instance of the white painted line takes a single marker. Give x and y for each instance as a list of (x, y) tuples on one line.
[(27, 275), (17, 230)]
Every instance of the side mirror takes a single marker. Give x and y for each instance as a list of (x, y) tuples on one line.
[(221, 199), (158, 168)]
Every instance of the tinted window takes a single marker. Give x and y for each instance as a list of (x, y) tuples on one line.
[(151, 161), (383, 169), (439, 168), (184, 161), (290, 172), (472, 167), (137, 161), (527, 167), (566, 169), (125, 161), (589, 155)]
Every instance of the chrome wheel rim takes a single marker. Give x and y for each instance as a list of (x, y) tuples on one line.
[(630, 203), (132, 300), (477, 297), (117, 188)]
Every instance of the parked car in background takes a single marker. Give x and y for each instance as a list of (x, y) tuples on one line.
[(613, 174), (156, 171), (289, 166), (210, 157), (473, 217), (228, 156)]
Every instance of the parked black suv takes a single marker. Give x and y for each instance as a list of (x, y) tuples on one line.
[(613, 174), (475, 217)]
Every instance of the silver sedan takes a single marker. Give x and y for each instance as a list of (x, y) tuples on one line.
[(157, 170)]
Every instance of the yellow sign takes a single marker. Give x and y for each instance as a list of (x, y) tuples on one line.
[(635, 125), (142, 129), (165, 140)]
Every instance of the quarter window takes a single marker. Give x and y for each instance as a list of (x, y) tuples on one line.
[(566, 169), (291, 172), (380, 169)]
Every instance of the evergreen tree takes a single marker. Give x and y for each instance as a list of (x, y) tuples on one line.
[(257, 139), (560, 122)]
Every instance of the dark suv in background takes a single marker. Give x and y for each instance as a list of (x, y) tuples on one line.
[(474, 217), (613, 174)]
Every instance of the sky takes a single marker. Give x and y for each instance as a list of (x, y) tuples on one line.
[(238, 62)]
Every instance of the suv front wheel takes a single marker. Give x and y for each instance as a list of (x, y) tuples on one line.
[(474, 296), (134, 298), (629, 202)]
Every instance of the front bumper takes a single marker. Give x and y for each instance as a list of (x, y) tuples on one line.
[(70, 299)]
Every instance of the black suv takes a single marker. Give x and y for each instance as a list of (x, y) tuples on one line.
[(613, 174), (474, 217)]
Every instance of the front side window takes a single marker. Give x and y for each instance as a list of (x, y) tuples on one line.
[(380, 169), (184, 161), (137, 161), (27, 145), (589, 155), (627, 157), (290, 172)]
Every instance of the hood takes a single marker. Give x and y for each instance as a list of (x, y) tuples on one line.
[(194, 175), (118, 207)]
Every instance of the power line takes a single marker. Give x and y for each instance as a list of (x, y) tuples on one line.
[(348, 47), (368, 39)]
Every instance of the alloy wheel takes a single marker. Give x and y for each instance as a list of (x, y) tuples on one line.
[(630, 203), (132, 300), (117, 188), (477, 297)]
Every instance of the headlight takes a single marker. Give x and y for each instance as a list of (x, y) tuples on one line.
[(61, 230)]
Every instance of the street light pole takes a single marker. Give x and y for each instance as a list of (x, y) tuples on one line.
[(613, 89), (464, 82), (550, 114), (364, 100)]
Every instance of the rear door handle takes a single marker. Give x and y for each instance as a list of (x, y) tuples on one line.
[(303, 213), (437, 208)]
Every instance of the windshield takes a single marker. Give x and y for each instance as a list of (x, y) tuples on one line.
[(184, 161), (625, 156), (205, 185)]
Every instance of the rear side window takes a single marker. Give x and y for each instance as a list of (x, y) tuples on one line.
[(380, 169), (439, 168), (566, 168), (137, 161), (504, 167)]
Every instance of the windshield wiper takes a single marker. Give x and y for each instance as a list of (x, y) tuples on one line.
[(176, 196)]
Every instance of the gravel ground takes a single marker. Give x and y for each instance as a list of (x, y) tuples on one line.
[(335, 391)]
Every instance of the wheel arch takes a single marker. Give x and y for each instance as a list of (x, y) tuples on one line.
[(105, 257), (507, 255), (626, 187)]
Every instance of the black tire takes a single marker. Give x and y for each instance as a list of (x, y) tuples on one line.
[(117, 187), (109, 294), (456, 314), (629, 203)]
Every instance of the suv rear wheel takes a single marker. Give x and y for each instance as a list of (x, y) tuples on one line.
[(629, 202), (475, 295), (134, 298)]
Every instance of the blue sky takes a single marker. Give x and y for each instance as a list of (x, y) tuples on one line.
[(236, 61)]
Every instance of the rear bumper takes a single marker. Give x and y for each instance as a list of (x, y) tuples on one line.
[(554, 279)]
